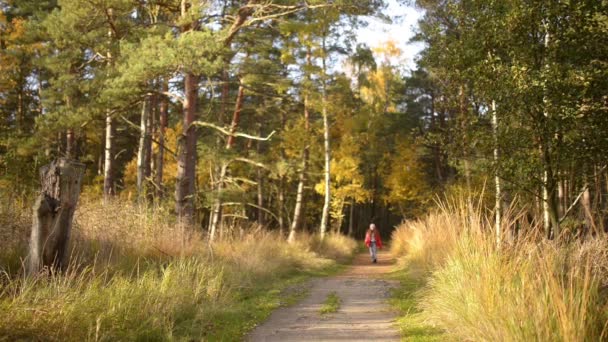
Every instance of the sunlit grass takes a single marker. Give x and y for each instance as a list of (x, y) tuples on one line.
[(527, 290), (135, 275)]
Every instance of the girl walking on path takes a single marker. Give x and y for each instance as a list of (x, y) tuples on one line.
[(373, 241)]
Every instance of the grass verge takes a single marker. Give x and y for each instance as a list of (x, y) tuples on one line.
[(412, 323)]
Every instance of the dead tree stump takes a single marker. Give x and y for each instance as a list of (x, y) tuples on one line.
[(53, 212)]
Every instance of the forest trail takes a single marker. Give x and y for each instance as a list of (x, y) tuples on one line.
[(363, 314)]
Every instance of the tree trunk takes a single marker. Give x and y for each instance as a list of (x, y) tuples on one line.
[(464, 117), (498, 193), (216, 209), (217, 204), (108, 169), (186, 165), (550, 211), (236, 116), (351, 217), (108, 172), (260, 176), (53, 213), (281, 196), (150, 161), (142, 153), (296, 223), (561, 194), (327, 151), (261, 218), (586, 204), (162, 127)]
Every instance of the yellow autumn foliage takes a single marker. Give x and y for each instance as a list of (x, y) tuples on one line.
[(408, 187)]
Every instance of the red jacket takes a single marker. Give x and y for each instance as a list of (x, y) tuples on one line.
[(368, 238)]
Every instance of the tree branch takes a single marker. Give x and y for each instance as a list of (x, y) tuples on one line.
[(235, 134), (252, 162)]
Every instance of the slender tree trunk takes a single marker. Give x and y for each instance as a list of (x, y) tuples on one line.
[(297, 213), (281, 196), (141, 152), (436, 147), (261, 218), (186, 165), (465, 139), (216, 210), (351, 217), (217, 204), (108, 170), (260, 176), (150, 160), (162, 127), (327, 150), (236, 117), (561, 193), (20, 109), (586, 204), (498, 193), (550, 211)]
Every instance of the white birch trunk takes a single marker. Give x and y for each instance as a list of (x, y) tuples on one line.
[(327, 150), (498, 195), (141, 152)]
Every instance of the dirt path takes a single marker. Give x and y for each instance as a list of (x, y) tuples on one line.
[(363, 315)]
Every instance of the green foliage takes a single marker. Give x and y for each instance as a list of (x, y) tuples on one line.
[(331, 304)]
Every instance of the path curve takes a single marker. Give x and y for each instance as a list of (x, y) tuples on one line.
[(364, 314)]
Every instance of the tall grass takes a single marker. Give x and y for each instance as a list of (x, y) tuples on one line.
[(528, 289), (135, 275)]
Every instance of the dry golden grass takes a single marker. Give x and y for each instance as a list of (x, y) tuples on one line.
[(530, 289), (135, 275)]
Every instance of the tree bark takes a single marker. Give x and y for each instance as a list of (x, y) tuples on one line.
[(236, 116), (351, 217), (498, 193), (260, 176), (162, 128), (53, 212), (142, 153), (108, 169), (186, 165), (216, 210), (108, 172), (550, 211), (327, 151), (296, 223), (464, 117)]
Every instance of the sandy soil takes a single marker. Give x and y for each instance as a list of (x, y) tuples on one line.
[(364, 314)]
